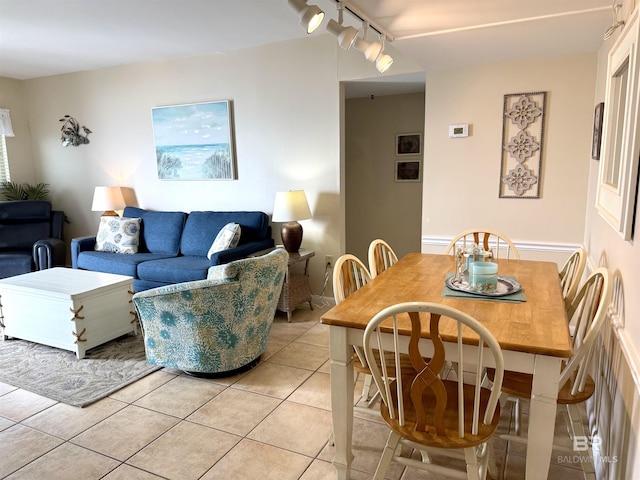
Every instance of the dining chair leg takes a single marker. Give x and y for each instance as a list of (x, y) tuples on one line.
[(387, 455), (516, 408), (368, 380), (474, 465), (424, 455)]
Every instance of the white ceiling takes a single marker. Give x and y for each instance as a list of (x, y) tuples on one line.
[(49, 37)]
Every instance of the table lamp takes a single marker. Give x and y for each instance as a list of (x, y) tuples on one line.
[(107, 200), (290, 207)]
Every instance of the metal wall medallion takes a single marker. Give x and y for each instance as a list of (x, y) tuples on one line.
[(522, 136)]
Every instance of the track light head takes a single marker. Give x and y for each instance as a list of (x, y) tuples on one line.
[(310, 15), (346, 35), (383, 62), (371, 50)]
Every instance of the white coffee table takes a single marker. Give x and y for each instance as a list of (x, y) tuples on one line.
[(66, 308)]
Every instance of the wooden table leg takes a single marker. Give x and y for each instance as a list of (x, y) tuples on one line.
[(342, 388), (542, 416)]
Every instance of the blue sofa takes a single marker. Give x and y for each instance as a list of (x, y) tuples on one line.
[(173, 246), (31, 237)]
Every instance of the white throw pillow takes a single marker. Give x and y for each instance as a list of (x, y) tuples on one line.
[(118, 235), (228, 237)]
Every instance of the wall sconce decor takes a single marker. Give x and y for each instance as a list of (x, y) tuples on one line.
[(522, 142), (71, 134)]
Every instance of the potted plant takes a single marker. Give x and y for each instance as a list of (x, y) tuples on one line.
[(25, 191)]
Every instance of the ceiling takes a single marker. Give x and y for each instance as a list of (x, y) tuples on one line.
[(49, 37)]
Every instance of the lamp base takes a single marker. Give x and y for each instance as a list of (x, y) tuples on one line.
[(291, 236), (109, 213)]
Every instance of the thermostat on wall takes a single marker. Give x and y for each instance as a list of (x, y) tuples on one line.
[(457, 131)]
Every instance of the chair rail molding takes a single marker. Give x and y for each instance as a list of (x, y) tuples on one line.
[(521, 246)]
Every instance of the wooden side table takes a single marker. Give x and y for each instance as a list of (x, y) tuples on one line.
[(296, 288)]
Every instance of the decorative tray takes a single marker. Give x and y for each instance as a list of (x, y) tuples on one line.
[(505, 286)]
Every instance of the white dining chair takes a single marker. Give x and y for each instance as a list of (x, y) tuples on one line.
[(381, 256), (571, 274), (490, 240), (349, 275), (423, 409), (588, 311)]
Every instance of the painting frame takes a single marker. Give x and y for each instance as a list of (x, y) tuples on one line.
[(408, 144), (408, 171), (596, 140), (195, 141)]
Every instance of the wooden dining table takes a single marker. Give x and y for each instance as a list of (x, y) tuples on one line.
[(533, 334)]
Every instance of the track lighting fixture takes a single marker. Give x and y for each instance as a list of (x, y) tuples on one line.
[(310, 15), (346, 35), (616, 23), (384, 61), (371, 50)]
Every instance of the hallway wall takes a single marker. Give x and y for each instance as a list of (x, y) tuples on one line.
[(377, 206)]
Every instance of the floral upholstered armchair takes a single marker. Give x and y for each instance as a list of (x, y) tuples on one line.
[(215, 325)]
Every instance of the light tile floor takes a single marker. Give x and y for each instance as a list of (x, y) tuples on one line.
[(272, 422)]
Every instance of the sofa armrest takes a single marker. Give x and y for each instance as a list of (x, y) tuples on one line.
[(57, 224), (81, 244), (241, 251), (49, 252)]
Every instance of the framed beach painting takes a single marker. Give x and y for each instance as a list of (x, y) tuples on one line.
[(194, 141)]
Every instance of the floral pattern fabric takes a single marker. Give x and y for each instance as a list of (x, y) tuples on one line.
[(213, 325), (118, 235)]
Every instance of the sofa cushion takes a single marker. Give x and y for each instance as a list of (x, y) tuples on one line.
[(228, 237), (22, 223), (117, 263), (201, 229), (160, 231), (175, 270), (118, 235)]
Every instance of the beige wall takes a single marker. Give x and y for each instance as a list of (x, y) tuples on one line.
[(622, 351), (376, 205), (286, 105), (462, 174)]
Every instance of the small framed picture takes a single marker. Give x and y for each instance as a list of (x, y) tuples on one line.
[(408, 144), (408, 171), (597, 131)]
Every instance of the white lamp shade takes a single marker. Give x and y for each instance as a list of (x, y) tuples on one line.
[(346, 35), (371, 50), (107, 199), (291, 206), (5, 123)]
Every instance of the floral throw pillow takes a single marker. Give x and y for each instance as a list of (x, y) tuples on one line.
[(118, 235), (228, 237)]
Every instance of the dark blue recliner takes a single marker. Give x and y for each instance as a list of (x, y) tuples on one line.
[(31, 237)]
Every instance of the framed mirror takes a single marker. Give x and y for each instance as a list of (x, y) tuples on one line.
[(616, 198)]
